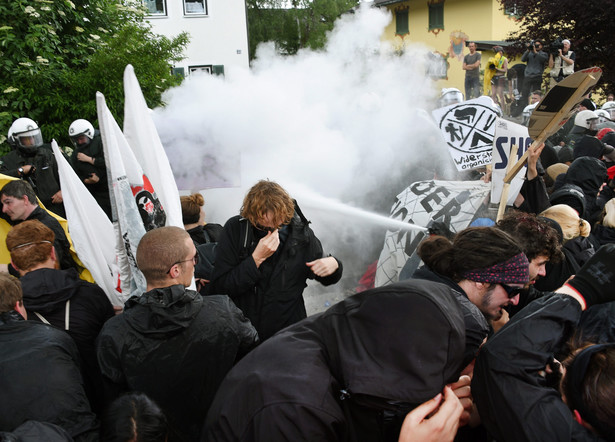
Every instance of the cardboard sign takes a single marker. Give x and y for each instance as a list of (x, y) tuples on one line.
[(468, 130), (453, 202), (507, 134)]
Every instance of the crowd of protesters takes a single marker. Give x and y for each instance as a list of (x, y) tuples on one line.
[(504, 333)]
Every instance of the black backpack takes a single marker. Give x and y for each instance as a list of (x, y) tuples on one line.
[(207, 252)]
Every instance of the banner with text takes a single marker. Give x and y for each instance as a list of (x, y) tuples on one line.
[(468, 130), (507, 134), (455, 203)]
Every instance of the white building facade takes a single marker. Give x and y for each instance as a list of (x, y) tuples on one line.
[(218, 32)]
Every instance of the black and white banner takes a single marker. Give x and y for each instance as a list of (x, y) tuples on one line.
[(453, 202)]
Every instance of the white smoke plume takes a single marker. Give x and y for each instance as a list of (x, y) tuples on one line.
[(348, 122)]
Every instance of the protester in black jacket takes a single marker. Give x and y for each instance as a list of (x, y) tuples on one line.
[(40, 378), (349, 374), (193, 217), (59, 298), (516, 399), (171, 343), (265, 256)]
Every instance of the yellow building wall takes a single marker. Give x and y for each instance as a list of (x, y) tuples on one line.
[(481, 20)]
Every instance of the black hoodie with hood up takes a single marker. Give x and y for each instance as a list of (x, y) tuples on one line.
[(348, 374)]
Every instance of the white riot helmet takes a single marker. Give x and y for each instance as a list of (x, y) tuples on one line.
[(450, 96), (27, 136), (10, 138), (586, 119), (603, 116), (81, 130), (609, 106), (527, 113)]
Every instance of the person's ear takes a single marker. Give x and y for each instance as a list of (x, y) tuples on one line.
[(580, 420), (14, 266), (53, 255)]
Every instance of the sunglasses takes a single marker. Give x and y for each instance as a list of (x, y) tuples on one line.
[(194, 259), (511, 291)]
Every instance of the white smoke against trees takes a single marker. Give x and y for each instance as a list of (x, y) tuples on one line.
[(348, 123)]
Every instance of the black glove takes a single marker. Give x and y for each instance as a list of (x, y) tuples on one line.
[(595, 281)]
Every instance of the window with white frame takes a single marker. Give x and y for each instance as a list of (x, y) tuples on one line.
[(156, 7), (195, 7)]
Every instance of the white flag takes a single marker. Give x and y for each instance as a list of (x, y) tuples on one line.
[(90, 229), (124, 173), (142, 136)]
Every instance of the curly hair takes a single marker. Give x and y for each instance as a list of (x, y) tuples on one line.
[(191, 207), (535, 236), (267, 196), (568, 219), (472, 248), (29, 244)]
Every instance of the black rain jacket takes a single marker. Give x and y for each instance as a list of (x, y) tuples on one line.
[(513, 399), (175, 346), (46, 292), (40, 379), (271, 296), (348, 374)]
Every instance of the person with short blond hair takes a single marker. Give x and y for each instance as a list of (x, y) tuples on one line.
[(171, 343), (265, 256)]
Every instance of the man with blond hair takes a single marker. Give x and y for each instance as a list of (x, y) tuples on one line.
[(265, 256), (171, 343), (60, 298)]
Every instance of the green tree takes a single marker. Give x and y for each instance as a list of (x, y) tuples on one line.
[(55, 55), (586, 24), (293, 24)]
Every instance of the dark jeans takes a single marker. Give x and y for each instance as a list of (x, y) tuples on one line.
[(530, 84), (472, 85)]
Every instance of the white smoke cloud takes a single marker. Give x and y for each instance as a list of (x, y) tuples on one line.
[(346, 122)]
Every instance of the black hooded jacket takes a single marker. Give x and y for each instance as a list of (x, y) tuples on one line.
[(477, 326), (271, 296), (46, 292), (348, 374), (175, 346), (589, 174), (512, 396), (40, 379)]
